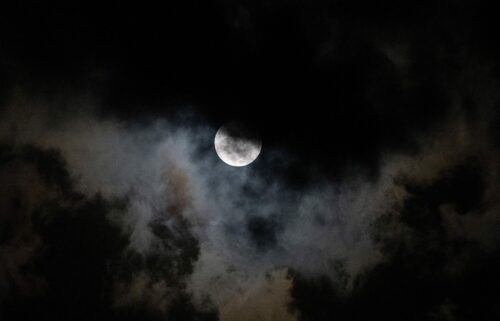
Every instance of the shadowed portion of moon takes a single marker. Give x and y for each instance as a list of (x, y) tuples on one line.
[(237, 145)]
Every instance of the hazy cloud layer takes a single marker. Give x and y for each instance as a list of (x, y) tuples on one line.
[(217, 231)]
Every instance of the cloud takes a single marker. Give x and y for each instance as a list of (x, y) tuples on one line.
[(245, 223), (197, 226), (30, 180), (266, 299)]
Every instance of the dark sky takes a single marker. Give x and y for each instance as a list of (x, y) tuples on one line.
[(375, 196)]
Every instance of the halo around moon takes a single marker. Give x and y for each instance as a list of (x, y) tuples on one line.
[(236, 145)]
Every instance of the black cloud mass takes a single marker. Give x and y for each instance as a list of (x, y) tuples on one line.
[(375, 196)]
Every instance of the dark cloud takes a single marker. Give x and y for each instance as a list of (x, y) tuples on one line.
[(192, 228), (262, 232), (432, 271), (410, 286), (62, 258)]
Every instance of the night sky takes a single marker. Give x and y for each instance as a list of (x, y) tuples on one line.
[(376, 195)]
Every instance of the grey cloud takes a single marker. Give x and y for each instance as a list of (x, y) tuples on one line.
[(246, 223)]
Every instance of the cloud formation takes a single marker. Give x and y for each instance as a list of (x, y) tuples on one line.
[(195, 226)]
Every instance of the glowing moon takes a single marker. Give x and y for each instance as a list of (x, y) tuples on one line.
[(236, 145)]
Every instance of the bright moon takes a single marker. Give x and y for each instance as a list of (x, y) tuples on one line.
[(236, 145)]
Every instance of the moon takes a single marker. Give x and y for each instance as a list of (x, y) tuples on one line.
[(236, 145)]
